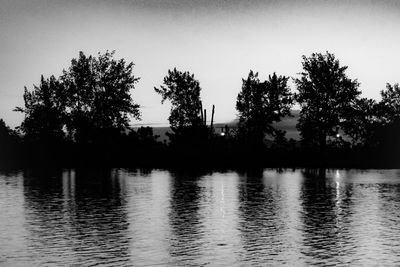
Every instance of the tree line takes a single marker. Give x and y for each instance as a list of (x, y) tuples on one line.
[(84, 115)]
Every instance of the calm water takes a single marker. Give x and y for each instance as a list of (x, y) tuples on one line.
[(120, 217)]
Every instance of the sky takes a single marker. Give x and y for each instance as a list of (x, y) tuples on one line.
[(218, 41)]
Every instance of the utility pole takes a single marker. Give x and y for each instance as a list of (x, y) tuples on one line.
[(212, 119)]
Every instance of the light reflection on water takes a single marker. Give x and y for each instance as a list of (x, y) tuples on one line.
[(124, 217)]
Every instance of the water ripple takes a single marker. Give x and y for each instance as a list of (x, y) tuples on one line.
[(123, 218)]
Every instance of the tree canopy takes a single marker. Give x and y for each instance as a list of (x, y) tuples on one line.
[(45, 110), (326, 97), (91, 96), (261, 103), (387, 128), (98, 92), (183, 91), (362, 124), (389, 106)]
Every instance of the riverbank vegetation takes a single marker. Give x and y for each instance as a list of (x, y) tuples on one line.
[(83, 118)]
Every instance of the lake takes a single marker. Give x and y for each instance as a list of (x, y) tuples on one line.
[(120, 217)]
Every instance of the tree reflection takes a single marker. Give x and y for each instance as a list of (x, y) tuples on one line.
[(326, 207), (79, 215), (184, 218), (260, 221)]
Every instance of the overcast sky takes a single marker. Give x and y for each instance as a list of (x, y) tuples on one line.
[(218, 41)]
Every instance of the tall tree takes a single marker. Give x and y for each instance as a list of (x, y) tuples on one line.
[(99, 98), (9, 145), (389, 106), (362, 123), (90, 100), (262, 103), (7, 135), (183, 91), (326, 97), (45, 111), (388, 110)]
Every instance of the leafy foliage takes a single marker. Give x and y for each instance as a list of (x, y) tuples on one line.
[(363, 122), (326, 97), (261, 103), (389, 106), (183, 91), (45, 110), (98, 92), (9, 145), (374, 123), (387, 131), (90, 98), (7, 135)]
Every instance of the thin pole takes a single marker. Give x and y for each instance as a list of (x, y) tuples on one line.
[(201, 110), (212, 118)]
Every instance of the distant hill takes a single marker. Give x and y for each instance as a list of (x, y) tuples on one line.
[(287, 124)]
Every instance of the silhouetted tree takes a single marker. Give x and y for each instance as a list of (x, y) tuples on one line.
[(9, 141), (261, 103), (99, 99), (363, 122), (45, 111), (146, 134), (372, 123), (91, 101), (183, 91), (326, 96), (7, 135), (388, 109), (142, 140), (389, 106)]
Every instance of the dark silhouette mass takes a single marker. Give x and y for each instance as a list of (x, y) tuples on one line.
[(83, 118), (187, 118), (326, 97), (260, 104), (183, 91)]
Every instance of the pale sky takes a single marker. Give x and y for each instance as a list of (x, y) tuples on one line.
[(219, 41)]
